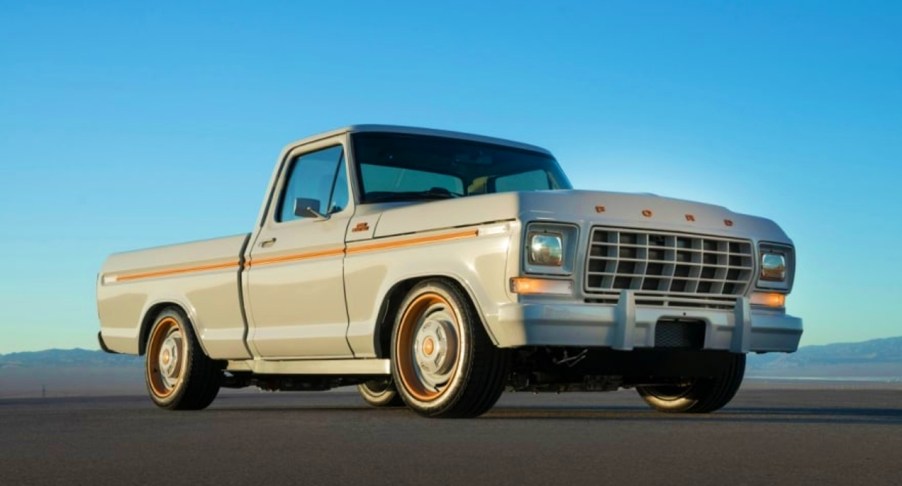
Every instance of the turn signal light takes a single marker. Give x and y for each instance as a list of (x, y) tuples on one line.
[(527, 285), (768, 299)]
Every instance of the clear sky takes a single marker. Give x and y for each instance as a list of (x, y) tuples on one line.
[(130, 126)]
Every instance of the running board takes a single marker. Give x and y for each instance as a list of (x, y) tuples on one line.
[(313, 367)]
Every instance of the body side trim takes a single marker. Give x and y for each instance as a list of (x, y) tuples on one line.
[(366, 247), (361, 247), (172, 271)]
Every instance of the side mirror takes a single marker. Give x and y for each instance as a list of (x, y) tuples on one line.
[(308, 208)]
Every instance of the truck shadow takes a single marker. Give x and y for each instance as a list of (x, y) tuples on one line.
[(773, 415), (730, 415)]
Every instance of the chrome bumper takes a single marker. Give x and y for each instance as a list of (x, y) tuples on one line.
[(626, 326)]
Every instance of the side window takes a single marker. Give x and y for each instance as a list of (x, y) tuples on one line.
[(319, 177), (339, 199)]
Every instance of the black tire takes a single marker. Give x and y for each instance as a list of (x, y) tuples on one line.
[(443, 362), (178, 374), (700, 395), (380, 393)]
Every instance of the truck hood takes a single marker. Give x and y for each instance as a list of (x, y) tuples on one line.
[(585, 208)]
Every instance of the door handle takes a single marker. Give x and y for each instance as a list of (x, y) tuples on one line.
[(268, 243)]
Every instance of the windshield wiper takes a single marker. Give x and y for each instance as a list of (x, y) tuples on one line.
[(431, 194)]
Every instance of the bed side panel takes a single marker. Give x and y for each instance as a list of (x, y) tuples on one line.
[(202, 277)]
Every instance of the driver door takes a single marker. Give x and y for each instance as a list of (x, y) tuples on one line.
[(295, 286)]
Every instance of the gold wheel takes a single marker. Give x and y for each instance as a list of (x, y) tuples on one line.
[(699, 395), (380, 392), (443, 362), (428, 346), (167, 355)]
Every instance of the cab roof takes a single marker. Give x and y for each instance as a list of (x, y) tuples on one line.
[(420, 131)]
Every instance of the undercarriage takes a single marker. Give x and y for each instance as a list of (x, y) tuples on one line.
[(552, 369), (544, 369)]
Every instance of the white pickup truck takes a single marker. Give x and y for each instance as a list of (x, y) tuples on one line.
[(435, 269)]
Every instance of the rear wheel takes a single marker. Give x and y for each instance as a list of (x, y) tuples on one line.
[(179, 375), (698, 395), (380, 393), (443, 362)]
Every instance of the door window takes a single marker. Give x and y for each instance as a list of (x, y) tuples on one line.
[(319, 177)]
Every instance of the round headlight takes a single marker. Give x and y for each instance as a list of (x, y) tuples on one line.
[(773, 267), (546, 249)]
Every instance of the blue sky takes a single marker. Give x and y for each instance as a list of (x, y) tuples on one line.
[(126, 126)]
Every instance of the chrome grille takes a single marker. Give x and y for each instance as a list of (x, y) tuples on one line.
[(667, 269)]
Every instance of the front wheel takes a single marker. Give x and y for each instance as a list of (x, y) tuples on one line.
[(179, 375), (443, 362), (698, 395)]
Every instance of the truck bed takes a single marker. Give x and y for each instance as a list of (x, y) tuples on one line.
[(203, 277)]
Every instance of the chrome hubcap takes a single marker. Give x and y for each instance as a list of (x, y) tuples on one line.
[(169, 361), (435, 347)]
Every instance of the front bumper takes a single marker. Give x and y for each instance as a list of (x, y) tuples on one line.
[(626, 326)]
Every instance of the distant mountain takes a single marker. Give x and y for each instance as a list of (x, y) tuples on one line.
[(877, 358), (66, 357), (70, 372), (874, 358)]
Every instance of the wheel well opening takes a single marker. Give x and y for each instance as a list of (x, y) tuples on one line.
[(391, 305), (387, 311), (149, 318)]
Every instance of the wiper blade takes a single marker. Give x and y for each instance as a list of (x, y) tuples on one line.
[(413, 196), (433, 194)]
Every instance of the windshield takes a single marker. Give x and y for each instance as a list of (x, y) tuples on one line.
[(399, 167)]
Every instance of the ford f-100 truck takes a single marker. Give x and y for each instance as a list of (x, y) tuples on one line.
[(436, 269)]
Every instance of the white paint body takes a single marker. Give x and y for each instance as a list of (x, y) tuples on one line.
[(314, 295)]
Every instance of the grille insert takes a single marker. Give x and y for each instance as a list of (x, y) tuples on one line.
[(676, 334), (668, 269)]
